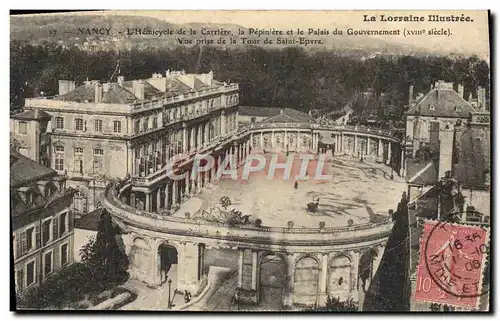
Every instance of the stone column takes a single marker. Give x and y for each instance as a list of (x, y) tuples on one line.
[(298, 142), (184, 140), (261, 140), (188, 267), (272, 139), (285, 138), (186, 183), (192, 138), (174, 192), (132, 199), (402, 163), (356, 145), (389, 153), (223, 123), (290, 273), (254, 270), (166, 196), (367, 145), (342, 147), (251, 139), (380, 152), (147, 205), (240, 267), (354, 275), (323, 279), (158, 199)]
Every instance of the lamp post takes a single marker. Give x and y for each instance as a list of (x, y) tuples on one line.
[(169, 287)]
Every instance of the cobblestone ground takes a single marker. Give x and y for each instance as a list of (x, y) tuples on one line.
[(356, 191)]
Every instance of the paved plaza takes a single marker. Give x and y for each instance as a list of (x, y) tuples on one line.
[(357, 191)]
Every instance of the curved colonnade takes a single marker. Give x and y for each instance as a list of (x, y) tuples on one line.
[(317, 262)]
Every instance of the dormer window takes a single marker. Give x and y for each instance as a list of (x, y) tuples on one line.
[(458, 109), (432, 108)]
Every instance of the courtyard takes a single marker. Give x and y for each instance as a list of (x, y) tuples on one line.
[(356, 193)]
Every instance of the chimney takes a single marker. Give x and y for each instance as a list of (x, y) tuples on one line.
[(121, 80), (479, 97), (138, 88), (434, 138), (416, 135), (460, 91), (483, 98), (210, 77), (281, 111), (66, 86), (445, 150), (105, 87), (97, 92), (410, 95)]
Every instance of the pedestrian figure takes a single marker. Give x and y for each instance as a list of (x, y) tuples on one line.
[(187, 296), (296, 185)]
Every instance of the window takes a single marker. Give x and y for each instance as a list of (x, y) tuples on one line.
[(117, 126), (98, 125), (98, 151), (30, 273), (55, 228), (431, 107), (59, 149), (78, 124), (79, 150), (47, 263), (145, 125), (46, 232), (457, 109), (29, 238), (59, 122), (62, 224), (20, 279), (23, 127), (155, 122), (59, 163), (137, 126), (64, 254)]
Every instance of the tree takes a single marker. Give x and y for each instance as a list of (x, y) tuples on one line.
[(335, 305), (106, 261)]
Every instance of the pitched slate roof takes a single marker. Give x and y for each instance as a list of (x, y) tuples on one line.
[(23, 170), (86, 93), (425, 173), (472, 153), (275, 114), (447, 103), (33, 114), (90, 221), (149, 90)]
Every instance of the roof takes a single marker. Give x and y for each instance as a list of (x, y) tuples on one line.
[(90, 221), (86, 93), (272, 113), (424, 173), (23, 170), (34, 114), (447, 103), (289, 116), (472, 152), (149, 90)]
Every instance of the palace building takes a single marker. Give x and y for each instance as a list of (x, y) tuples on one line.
[(97, 131)]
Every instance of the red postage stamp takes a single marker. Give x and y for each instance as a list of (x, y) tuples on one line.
[(451, 264)]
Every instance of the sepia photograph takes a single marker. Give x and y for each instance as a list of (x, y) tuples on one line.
[(250, 161)]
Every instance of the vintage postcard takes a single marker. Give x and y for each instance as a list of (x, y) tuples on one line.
[(236, 161)]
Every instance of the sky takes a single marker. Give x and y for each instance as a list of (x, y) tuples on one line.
[(467, 37)]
